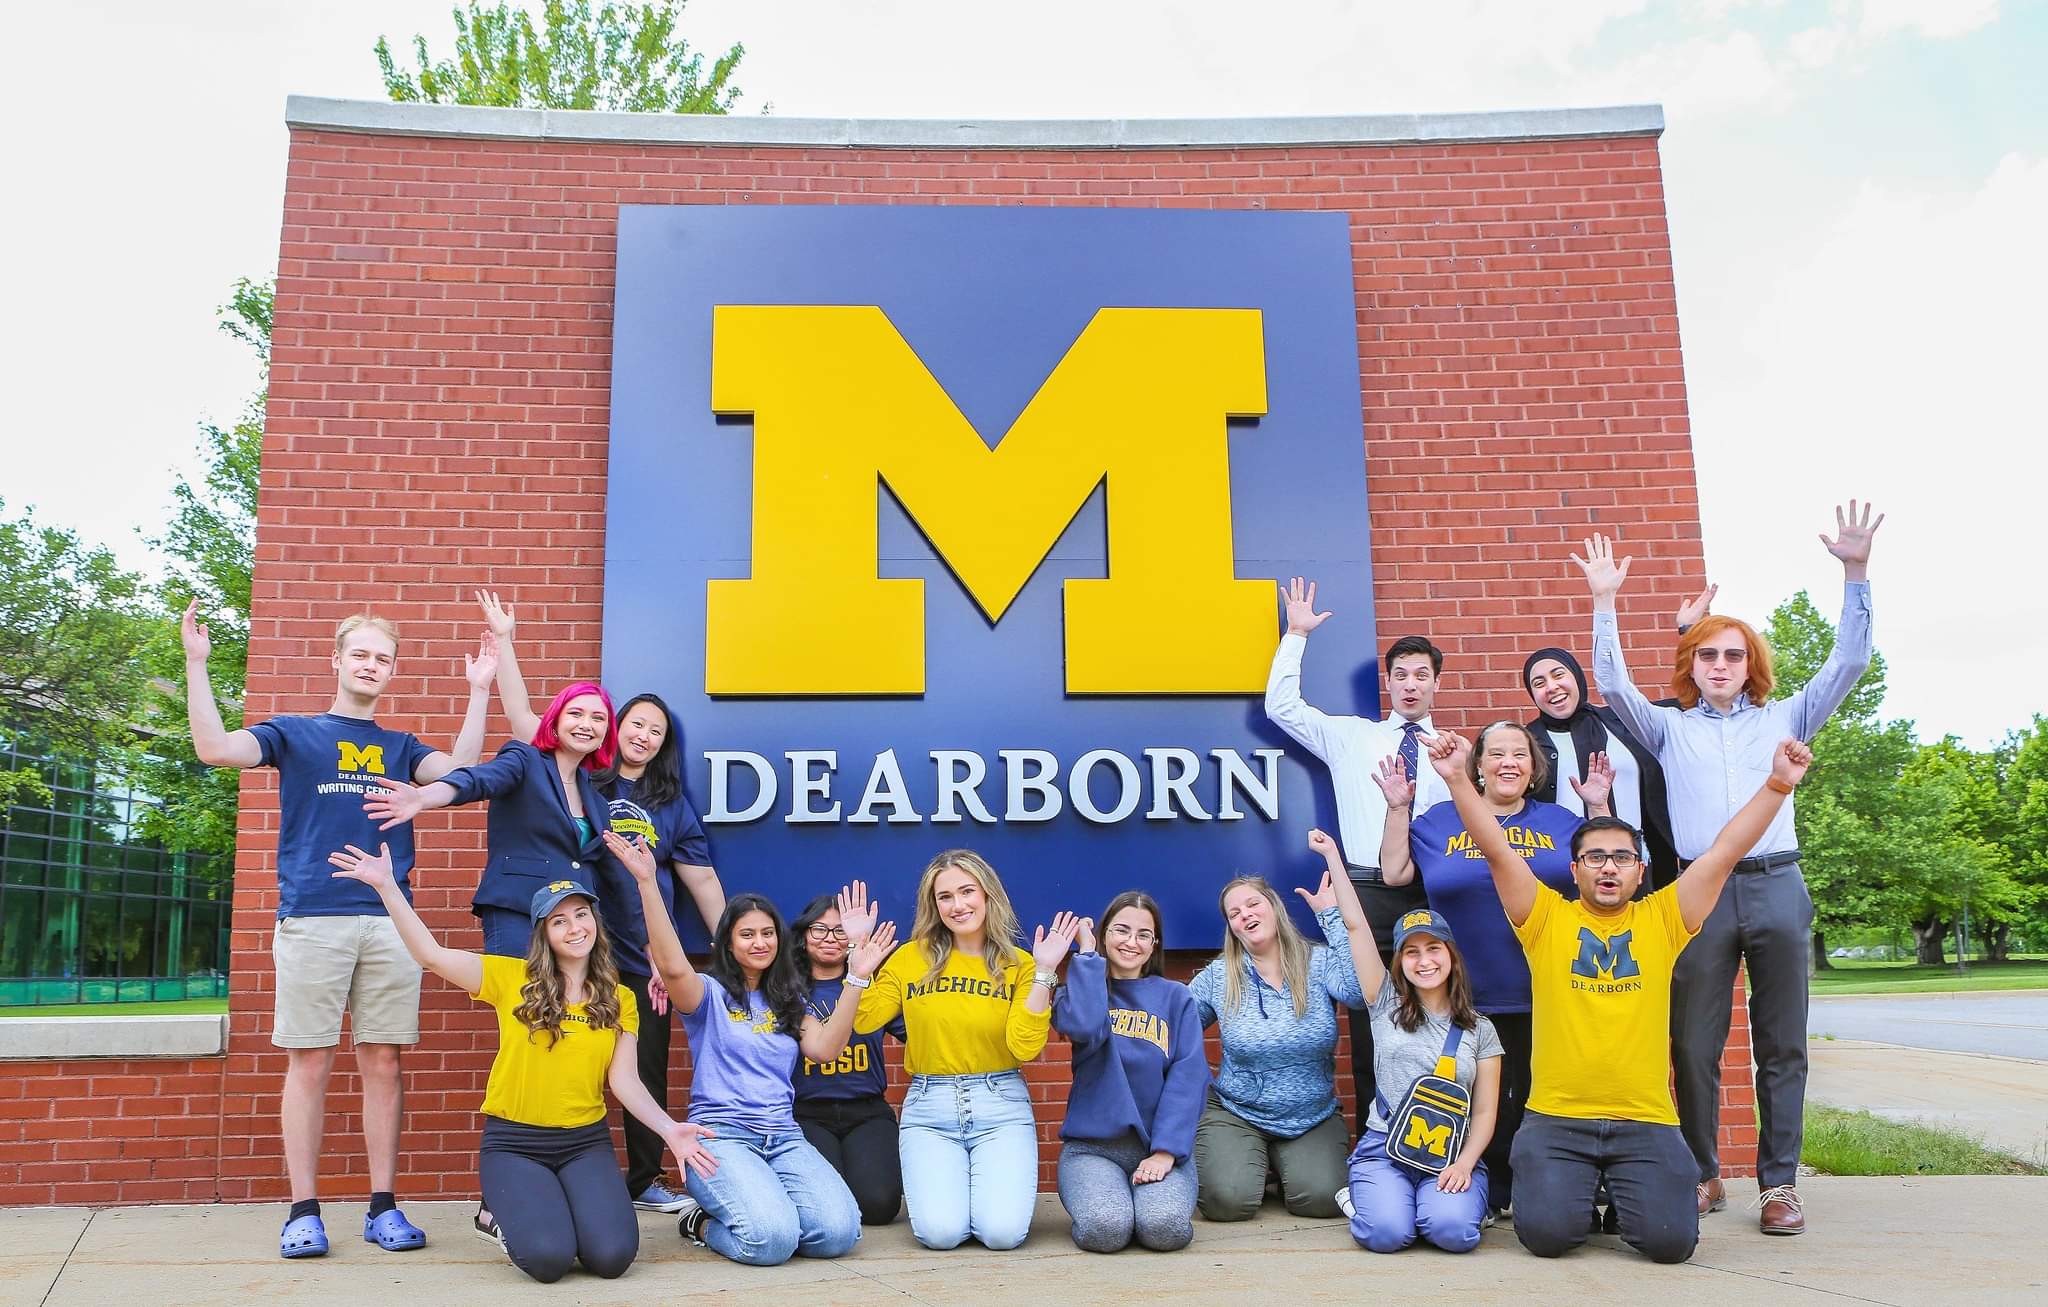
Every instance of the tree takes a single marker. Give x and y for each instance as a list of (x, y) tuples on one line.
[(1959, 859), (211, 547), (623, 58), (1848, 807), (71, 619)]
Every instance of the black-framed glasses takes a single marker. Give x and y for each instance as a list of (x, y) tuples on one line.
[(826, 932), (1621, 858)]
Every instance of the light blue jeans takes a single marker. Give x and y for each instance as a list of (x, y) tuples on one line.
[(773, 1198), (1391, 1204), (970, 1159)]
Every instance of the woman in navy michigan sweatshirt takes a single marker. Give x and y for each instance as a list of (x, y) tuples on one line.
[(1140, 1077)]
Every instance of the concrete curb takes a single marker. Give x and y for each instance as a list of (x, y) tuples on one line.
[(48, 1038)]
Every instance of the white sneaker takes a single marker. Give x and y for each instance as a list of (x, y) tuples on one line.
[(1344, 1202)]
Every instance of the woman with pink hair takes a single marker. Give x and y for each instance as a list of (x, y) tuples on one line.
[(546, 823)]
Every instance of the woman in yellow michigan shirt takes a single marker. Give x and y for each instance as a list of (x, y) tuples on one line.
[(975, 1007), (565, 1030)]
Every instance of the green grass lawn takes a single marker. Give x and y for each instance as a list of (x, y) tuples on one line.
[(213, 1006), (1841, 1142), (1848, 977)]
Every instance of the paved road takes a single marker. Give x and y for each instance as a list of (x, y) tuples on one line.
[(2009, 1025)]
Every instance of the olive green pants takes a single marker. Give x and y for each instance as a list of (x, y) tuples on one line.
[(1233, 1157)]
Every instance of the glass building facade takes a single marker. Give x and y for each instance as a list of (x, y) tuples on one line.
[(90, 912)]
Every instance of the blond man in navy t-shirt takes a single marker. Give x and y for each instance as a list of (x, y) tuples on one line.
[(335, 948)]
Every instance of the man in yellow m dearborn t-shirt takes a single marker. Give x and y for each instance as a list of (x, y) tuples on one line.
[(1600, 980)]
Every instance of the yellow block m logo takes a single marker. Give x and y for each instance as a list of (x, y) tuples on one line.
[(363, 758), (841, 402), (1421, 1134)]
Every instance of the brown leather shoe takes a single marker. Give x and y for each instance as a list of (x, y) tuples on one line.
[(1781, 1212), (1711, 1195)]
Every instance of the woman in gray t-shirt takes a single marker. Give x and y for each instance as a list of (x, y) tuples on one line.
[(1391, 1204)]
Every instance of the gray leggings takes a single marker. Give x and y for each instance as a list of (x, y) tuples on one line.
[(1108, 1210)]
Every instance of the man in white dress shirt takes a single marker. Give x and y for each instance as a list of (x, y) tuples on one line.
[(1352, 748)]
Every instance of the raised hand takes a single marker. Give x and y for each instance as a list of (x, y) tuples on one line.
[(633, 855), (1153, 1169), (1300, 600), (1450, 754), (1325, 896), (686, 1140), (1598, 787), (1789, 763), (657, 996), (482, 668), (393, 805), (1394, 782), (1690, 612), (497, 616), (1048, 947), (1603, 575), (867, 957), (856, 914), (197, 639), (372, 869), (1852, 537), (1084, 935)]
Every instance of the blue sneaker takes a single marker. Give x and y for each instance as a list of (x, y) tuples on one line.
[(392, 1232), (658, 1197), (305, 1237)]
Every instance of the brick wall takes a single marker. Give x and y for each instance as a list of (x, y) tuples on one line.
[(438, 420)]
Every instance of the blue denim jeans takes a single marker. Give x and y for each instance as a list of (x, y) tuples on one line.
[(773, 1198), (1560, 1162), (1391, 1204), (970, 1159)]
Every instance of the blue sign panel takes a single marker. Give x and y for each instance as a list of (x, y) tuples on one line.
[(953, 527)]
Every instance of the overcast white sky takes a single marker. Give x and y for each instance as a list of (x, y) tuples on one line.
[(1858, 193)]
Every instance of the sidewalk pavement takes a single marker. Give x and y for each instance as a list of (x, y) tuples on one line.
[(1951, 1240), (2000, 1100)]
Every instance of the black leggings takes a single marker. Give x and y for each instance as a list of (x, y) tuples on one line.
[(1513, 1029), (558, 1198), (858, 1137), (644, 1148)]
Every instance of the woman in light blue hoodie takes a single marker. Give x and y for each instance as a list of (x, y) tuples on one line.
[(1274, 1104)]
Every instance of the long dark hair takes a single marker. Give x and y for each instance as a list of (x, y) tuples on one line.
[(780, 984), (813, 912), (662, 782), (1458, 988), (1137, 898)]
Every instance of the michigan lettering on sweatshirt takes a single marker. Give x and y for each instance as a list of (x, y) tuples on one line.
[(961, 1021)]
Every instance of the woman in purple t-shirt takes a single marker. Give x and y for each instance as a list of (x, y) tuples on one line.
[(1506, 766), (773, 1196)]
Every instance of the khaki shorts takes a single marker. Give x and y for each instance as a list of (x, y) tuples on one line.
[(328, 964)]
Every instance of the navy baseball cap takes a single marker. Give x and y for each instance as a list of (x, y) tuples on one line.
[(547, 896), (1421, 921)]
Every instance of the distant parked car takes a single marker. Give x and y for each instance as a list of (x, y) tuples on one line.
[(1839, 953), (1859, 952)]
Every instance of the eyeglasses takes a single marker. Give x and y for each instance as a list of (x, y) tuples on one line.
[(1125, 932), (1619, 858), (827, 932)]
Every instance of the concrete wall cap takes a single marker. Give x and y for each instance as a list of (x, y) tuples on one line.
[(388, 118), (48, 1038)]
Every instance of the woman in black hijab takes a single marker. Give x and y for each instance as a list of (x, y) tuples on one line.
[(1570, 730)]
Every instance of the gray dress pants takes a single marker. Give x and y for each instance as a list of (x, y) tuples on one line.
[(1765, 921)]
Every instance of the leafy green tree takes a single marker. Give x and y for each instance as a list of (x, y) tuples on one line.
[(1958, 857), (210, 545), (71, 619), (1848, 807), (621, 57)]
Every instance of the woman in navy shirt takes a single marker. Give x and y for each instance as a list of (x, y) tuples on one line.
[(1506, 765), (839, 1102), (1140, 1079)]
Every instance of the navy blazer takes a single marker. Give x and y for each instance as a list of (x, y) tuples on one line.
[(532, 839)]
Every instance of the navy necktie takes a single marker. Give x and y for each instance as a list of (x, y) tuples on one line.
[(1411, 750)]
